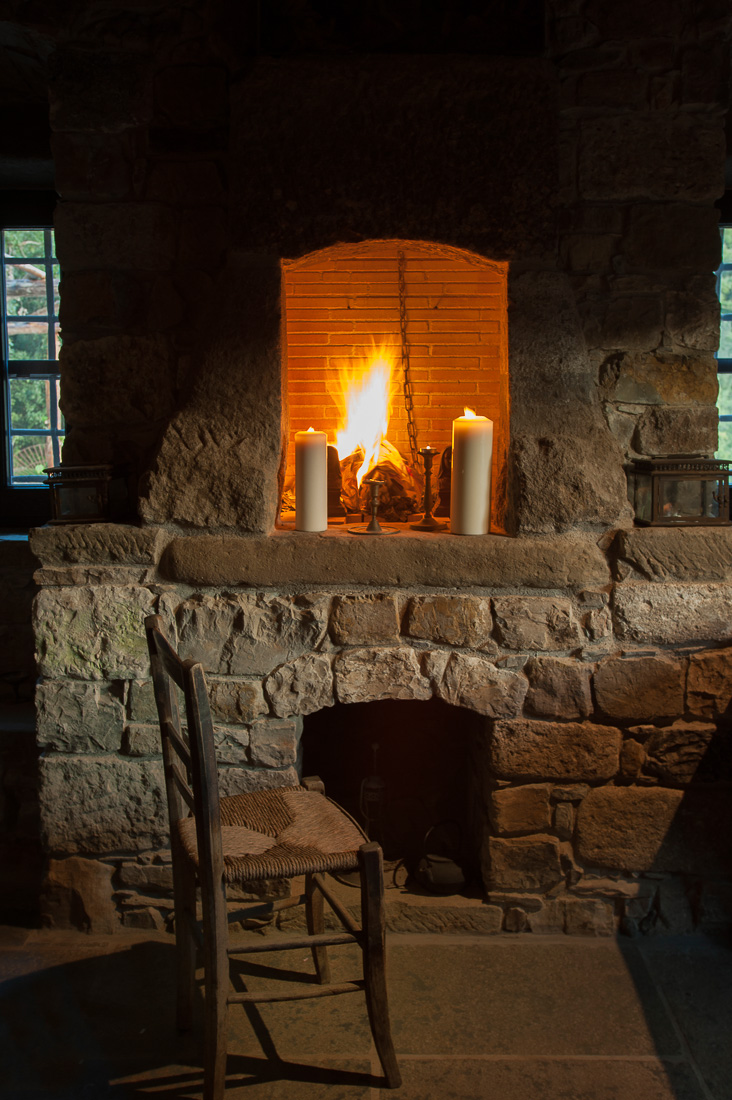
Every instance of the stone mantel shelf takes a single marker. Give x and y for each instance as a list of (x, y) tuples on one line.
[(574, 560)]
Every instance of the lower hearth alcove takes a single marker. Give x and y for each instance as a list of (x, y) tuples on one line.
[(406, 770)]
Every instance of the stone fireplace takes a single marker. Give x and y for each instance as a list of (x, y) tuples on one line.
[(201, 202)]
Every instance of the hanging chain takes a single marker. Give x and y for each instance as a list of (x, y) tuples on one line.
[(408, 396)]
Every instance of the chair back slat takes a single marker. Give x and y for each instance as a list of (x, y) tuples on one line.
[(178, 744), (183, 788), (197, 755)]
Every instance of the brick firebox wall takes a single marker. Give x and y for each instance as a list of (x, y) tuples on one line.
[(341, 303)]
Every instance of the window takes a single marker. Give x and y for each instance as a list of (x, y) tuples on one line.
[(33, 427), (724, 355)]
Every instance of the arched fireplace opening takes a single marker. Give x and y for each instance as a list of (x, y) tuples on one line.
[(407, 771), (436, 315)]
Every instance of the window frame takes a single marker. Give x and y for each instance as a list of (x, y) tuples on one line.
[(22, 506)]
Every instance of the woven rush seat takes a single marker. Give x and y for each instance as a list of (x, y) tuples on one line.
[(280, 833)]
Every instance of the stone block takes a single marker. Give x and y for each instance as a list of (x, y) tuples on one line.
[(143, 371), (273, 744), (516, 920), (92, 633), (146, 876), (646, 155), (673, 909), (141, 702), (624, 322), (238, 780), (615, 88), (558, 688), (639, 689), (141, 740), (709, 683), (103, 804), (524, 749), (673, 236), (632, 759), (656, 829), (77, 716), (98, 90), (236, 701), (522, 863), (677, 431), (549, 920), (535, 622), (77, 893), (364, 620), (232, 745), (365, 675), (671, 614), (588, 917), (97, 544), (302, 686), (99, 303), (451, 620), (475, 682), (660, 378), (675, 753), (692, 321), (445, 919), (520, 809), (137, 236), (250, 634), (704, 74), (564, 820), (675, 554), (715, 909)]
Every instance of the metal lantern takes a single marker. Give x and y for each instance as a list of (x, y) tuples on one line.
[(684, 491), (86, 494)]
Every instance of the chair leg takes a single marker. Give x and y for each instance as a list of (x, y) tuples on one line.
[(184, 893), (314, 913), (216, 980), (374, 958)]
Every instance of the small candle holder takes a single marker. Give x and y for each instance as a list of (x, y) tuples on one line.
[(428, 521), (374, 527)]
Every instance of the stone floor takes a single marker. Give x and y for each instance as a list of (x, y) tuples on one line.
[(474, 1018)]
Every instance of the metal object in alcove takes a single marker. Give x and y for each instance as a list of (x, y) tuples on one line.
[(374, 527), (371, 802), (439, 872), (428, 522), (444, 480)]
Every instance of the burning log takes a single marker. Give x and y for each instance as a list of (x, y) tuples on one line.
[(402, 490)]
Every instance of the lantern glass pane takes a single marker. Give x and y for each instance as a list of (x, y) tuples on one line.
[(643, 497), (695, 498)]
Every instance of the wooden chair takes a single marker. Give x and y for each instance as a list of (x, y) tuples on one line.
[(285, 832)]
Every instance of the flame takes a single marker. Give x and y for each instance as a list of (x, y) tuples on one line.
[(310, 430), (365, 398), (468, 414)]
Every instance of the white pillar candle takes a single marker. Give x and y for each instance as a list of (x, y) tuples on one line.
[(311, 481), (470, 490)]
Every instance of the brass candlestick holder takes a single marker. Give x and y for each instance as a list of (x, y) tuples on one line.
[(374, 527), (428, 521)]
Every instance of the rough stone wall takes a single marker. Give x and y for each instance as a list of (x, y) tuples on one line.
[(603, 771)]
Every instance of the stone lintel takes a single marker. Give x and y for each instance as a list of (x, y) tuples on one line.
[(407, 558)]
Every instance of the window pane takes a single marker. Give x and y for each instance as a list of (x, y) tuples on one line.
[(30, 403), (725, 340), (31, 454), (724, 447), (27, 340), (727, 245), (725, 291), (56, 297), (25, 290), (24, 242)]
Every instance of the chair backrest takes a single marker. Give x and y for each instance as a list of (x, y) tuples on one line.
[(189, 758)]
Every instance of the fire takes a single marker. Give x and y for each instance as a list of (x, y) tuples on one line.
[(366, 396), (468, 414)]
